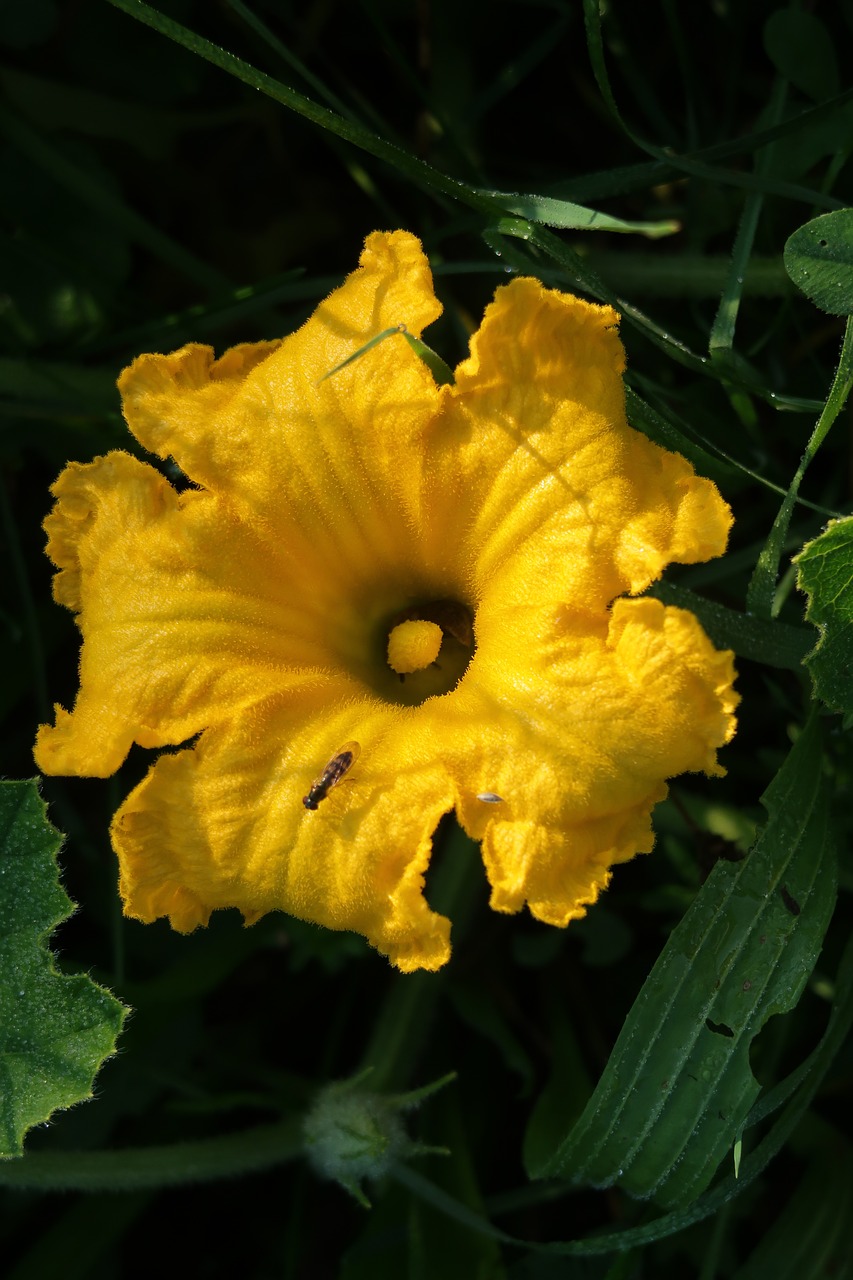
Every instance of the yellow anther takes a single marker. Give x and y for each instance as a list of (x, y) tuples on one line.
[(413, 645)]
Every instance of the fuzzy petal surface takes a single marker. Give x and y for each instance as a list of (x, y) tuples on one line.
[(610, 712), (223, 824), (181, 611), (542, 484)]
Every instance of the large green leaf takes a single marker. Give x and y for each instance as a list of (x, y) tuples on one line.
[(825, 573), (55, 1030), (678, 1085)]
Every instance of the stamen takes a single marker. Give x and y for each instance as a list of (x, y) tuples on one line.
[(413, 645)]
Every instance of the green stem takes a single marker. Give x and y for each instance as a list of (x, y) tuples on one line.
[(296, 64), (716, 1244), (135, 1168)]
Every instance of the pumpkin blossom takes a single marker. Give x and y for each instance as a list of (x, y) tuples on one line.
[(393, 599)]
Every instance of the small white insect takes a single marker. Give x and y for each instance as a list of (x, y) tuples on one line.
[(489, 797)]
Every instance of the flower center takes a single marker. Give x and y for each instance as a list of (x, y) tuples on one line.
[(413, 645), (427, 648)]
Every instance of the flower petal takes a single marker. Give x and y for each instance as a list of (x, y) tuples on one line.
[(183, 615), (541, 482), (560, 873), (223, 824), (270, 432), (576, 723)]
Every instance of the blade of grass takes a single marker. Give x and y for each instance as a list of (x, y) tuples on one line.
[(684, 49), (401, 65), (296, 64), (723, 329), (584, 277), (697, 168), (564, 213), (255, 301), (688, 275), (705, 455), (762, 587), (606, 183), (581, 275)]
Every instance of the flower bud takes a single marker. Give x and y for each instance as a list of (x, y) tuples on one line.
[(352, 1133)]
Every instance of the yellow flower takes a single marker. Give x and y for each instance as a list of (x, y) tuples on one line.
[(380, 600)]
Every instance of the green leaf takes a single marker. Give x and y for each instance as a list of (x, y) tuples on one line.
[(55, 1031), (678, 1086), (800, 47), (819, 259), (566, 215), (442, 372), (825, 573), (803, 1083)]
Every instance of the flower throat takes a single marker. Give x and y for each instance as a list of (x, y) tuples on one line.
[(426, 649)]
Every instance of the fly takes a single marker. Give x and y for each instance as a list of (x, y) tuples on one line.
[(332, 774)]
